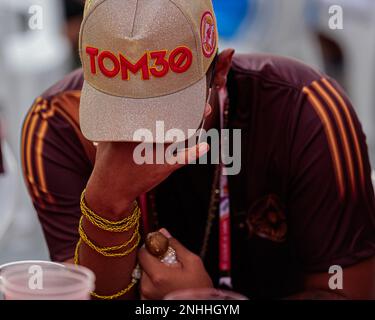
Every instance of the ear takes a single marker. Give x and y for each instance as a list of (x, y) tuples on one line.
[(223, 66)]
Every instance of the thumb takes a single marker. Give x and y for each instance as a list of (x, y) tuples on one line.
[(183, 254)]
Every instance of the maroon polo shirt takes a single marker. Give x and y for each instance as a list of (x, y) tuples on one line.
[(302, 202)]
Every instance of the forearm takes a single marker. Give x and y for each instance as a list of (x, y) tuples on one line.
[(113, 274), (115, 183)]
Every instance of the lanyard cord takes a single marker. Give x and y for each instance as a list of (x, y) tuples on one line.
[(220, 197)]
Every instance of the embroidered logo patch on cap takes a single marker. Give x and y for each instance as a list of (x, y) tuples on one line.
[(208, 34)]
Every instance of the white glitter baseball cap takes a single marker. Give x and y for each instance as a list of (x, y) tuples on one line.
[(145, 61)]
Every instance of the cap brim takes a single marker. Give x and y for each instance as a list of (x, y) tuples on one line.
[(109, 118)]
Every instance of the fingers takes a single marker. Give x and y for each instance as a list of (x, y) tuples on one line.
[(188, 260), (165, 232), (148, 262), (207, 110), (185, 256), (187, 156), (147, 288), (155, 275), (152, 265), (159, 279)]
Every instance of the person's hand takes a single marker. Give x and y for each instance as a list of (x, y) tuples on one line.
[(113, 186), (117, 180), (159, 279)]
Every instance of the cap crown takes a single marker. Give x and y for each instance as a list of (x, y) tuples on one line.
[(147, 48)]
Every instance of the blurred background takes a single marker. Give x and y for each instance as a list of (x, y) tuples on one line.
[(36, 53)]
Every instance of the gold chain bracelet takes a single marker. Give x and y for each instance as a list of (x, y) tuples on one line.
[(132, 220), (111, 226), (104, 250), (109, 222), (118, 294), (101, 297), (107, 225)]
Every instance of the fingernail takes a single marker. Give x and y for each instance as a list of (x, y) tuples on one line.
[(203, 148), (181, 150), (165, 233)]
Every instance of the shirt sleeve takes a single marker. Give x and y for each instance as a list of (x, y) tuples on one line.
[(56, 170), (332, 211)]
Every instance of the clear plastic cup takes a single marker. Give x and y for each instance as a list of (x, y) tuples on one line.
[(42, 280), (204, 294)]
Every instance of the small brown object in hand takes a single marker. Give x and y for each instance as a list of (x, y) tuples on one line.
[(157, 244)]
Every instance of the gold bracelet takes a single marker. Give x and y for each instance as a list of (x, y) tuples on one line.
[(76, 252), (97, 296), (131, 221), (83, 235), (104, 221), (116, 295), (104, 251)]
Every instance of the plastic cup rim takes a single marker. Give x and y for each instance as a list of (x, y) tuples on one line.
[(84, 275)]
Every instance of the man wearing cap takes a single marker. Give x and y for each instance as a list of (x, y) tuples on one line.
[(300, 211)]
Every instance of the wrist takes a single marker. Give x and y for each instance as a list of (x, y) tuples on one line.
[(107, 202)]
